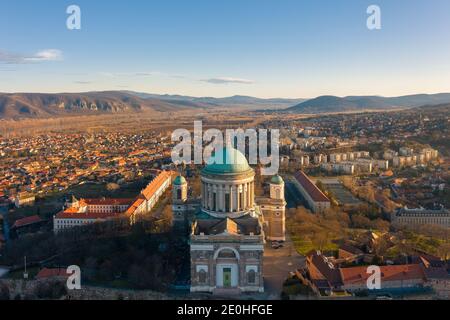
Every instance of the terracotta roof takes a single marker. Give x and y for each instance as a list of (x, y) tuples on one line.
[(350, 249), (388, 273), (323, 271), (156, 183), (150, 190), (27, 221), (309, 186), (135, 205), (106, 202), (50, 273)]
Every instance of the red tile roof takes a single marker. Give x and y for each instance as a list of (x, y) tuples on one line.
[(156, 183), (150, 190), (388, 273), (314, 192), (50, 273), (135, 205), (27, 221), (106, 202), (73, 214)]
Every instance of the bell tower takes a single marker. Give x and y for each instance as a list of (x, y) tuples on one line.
[(179, 198), (275, 210), (277, 188), (179, 192)]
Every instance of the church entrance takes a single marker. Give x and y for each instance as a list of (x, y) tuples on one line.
[(226, 277)]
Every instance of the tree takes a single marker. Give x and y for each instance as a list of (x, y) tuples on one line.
[(320, 239), (4, 292), (361, 222), (50, 290), (196, 186), (382, 225), (380, 247), (112, 187), (167, 216), (444, 251)]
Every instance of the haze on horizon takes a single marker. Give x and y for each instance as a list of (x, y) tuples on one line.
[(267, 49)]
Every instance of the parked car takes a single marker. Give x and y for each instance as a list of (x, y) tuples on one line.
[(276, 245)]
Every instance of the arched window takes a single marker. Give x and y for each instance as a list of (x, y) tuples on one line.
[(278, 193), (179, 194), (251, 277), (227, 254)]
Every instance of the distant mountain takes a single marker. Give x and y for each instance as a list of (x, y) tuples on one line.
[(325, 104), (223, 102), (42, 105), (427, 109), (36, 105)]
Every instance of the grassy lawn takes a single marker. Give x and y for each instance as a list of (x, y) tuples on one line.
[(303, 246), (419, 242)]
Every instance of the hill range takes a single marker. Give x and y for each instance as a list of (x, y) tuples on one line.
[(325, 104), (44, 105)]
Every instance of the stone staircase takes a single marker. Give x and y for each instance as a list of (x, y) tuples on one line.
[(227, 292)]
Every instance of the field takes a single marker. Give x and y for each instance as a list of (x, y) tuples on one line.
[(304, 246)]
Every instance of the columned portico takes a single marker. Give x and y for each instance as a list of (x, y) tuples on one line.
[(233, 195)]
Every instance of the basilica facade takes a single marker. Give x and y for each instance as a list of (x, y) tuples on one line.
[(228, 228)]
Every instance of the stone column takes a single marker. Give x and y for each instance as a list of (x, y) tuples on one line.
[(203, 194), (217, 198), (247, 194), (207, 196), (222, 197), (210, 197), (238, 198), (231, 199), (244, 191), (252, 194)]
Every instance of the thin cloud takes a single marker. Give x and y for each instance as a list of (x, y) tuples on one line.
[(40, 56), (227, 80), (130, 74), (46, 55), (148, 74), (83, 82)]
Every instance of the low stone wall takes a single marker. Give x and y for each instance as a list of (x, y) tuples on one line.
[(27, 289), (94, 293)]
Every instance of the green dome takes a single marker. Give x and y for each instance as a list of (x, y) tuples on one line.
[(227, 161), (277, 180), (180, 180)]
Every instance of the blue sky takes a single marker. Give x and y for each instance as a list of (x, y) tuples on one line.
[(285, 48)]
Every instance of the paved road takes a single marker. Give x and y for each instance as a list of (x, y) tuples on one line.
[(277, 265)]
